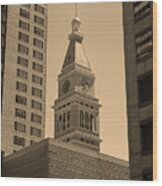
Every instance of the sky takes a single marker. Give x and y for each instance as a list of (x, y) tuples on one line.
[(101, 25)]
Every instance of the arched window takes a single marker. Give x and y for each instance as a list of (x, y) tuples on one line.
[(86, 120), (91, 122), (64, 121), (95, 122), (82, 119), (56, 123), (68, 119), (60, 123)]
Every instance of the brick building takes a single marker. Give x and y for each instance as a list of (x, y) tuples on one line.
[(52, 159)]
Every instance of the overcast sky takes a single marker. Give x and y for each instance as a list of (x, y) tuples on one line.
[(103, 42)]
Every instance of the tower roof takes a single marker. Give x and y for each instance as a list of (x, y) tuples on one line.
[(76, 53)]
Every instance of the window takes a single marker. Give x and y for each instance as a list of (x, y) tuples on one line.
[(22, 74), (38, 55), (20, 113), (86, 120), (19, 141), (147, 136), (24, 13), (82, 119), (21, 100), (38, 31), (148, 175), (143, 42), (24, 25), (23, 37), (91, 122), (145, 89), (64, 121), (21, 87), (36, 92), (39, 20), (38, 43), (36, 105), (68, 119), (35, 132), (19, 127), (36, 79), (39, 9), (142, 9), (35, 118), (23, 49), (37, 67), (22, 61)]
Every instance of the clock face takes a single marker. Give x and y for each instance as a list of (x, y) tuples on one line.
[(66, 86)]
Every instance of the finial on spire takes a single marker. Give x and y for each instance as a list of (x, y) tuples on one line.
[(76, 10)]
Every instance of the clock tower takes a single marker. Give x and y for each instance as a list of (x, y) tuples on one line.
[(77, 109)]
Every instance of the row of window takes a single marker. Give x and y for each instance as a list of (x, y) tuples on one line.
[(23, 101), (144, 44), (142, 9), (23, 88), (37, 8), (26, 14), (24, 75), (62, 121), (36, 42), (26, 26), (24, 62), (25, 50), (35, 118)]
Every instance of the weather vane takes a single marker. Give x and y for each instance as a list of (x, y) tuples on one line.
[(76, 10)]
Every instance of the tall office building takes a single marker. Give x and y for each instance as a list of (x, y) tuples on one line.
[(24, 37), (138, 45)]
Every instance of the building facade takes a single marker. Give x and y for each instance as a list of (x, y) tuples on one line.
[(138, 48), (24, 37)]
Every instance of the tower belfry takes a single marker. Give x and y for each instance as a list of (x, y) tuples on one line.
[(77, 109)]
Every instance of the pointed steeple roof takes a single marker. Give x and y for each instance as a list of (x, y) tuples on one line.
[(76, 53)]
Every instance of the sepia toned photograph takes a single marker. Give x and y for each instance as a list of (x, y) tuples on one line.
[(78, 90)]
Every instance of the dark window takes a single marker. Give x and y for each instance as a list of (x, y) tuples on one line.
[(35, 118), (35, 132), (19, 141), (147, 136), (148, 175), (21, 100), (24, 13), (36, 105), (24, 25), (19, 127), (23, 49), (144, 44), (37, 67), (38, 43), (22, 74), (145, 89), (23, 37), (39, 8), (22, 61), (38, 55), (36, 92), (38, 31), (39, 20), (142, 9), (36, 79), (21, 87), (20, 113)]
